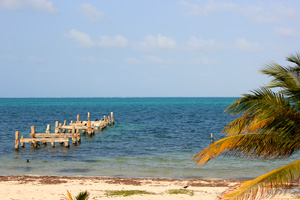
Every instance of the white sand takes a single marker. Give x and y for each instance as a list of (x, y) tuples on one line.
[(44, 188)]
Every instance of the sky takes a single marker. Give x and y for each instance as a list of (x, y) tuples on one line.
[(148, 48)]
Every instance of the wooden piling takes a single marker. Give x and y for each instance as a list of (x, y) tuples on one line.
[(17, 140), (77, 118), (48, 128), (73, 137), (112, 118), (212, 137), (108, 121), (105, 119), (67, 142), (88, 116), (56, 127), (32, 134), (78, 137), (65, 123), (21, 140), (89, 130)]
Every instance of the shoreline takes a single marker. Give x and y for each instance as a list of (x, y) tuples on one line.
[(54, 187)]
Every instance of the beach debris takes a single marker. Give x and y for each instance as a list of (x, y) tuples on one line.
[(74, 130), (27, 160)]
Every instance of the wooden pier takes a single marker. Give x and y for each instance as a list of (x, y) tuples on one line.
[(74, 130)]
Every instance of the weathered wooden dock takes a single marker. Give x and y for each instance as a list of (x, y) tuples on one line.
[(74, 130)]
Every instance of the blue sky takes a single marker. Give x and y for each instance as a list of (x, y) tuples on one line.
[(149, 48)]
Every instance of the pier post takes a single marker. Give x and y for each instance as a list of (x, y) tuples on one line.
[(56, 127), (112, 118), (48, 129), (88, 116), (66, 143), (212, 137), (105, 120), (77, 119), (32, 134), (17, 140), (21, 140), (73, 135), (89, 130), (108, 121), (65, 123)]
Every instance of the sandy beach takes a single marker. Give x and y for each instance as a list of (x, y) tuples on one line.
[(54, 187)]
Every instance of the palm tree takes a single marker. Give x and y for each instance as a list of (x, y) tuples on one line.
[(80, 196), (267, 127)]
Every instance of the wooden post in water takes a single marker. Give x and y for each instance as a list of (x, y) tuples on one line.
[(88, 116), (89, 130), (73, 136), (48, 129), (22, 143), (56, 127), (77, 119), (17, 140), (105, 119), (108, 121), (32, 134), (112, 118), (52, 144), (78, 137), (212, 137), (66, 143), (65, 123)]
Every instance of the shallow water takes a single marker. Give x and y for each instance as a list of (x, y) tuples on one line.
[(152, 137)]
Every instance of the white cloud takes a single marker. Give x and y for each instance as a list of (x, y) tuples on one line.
[(11, 4), (158, 61), (116, 41), (151, 42), (203, 61), (133, 61), (83, 39), (200, 44), (37, 5), (259, 14), (88, 59), (262, 13), (244, 45), (91, 12), (193, 9), (211, 6), (287, 32), (34, 59)]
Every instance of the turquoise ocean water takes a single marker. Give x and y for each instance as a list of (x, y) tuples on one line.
[(152, 137)]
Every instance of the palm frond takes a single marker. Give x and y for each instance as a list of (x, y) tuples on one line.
[(257, 145), (82, 196), (269, 184), (69, 196), (286, 78), (263, 112), (294, 58)]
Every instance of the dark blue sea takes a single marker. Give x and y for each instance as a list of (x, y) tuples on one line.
[(152, 137)]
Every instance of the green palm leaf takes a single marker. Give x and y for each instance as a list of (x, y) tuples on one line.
[(267, 127), (265, 146), (271, 183)]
